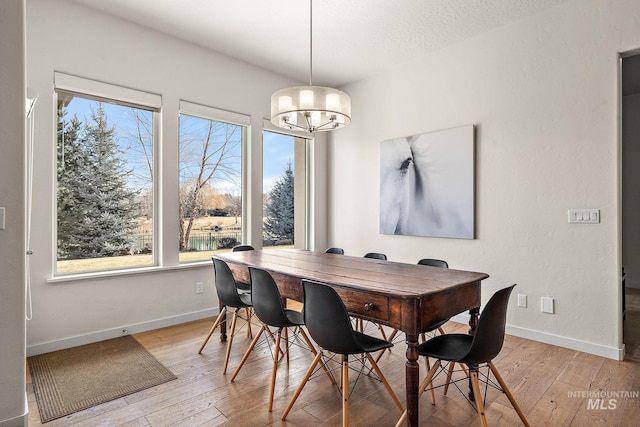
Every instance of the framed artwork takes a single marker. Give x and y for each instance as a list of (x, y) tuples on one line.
[(427, 184)]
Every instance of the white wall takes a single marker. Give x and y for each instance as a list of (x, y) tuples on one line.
[(543, 95), (12, 246), (73, 39)]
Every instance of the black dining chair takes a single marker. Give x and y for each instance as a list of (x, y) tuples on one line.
[(433, 262), (327, 321), (474, 350), (268, 308), (232, 300), (240, 248), (338, 251), (244, 287), (375, 255)]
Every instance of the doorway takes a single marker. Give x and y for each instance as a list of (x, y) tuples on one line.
[(631, 205)]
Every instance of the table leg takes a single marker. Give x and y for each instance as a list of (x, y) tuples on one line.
[(474, 315), (223, 325), (412, 379)]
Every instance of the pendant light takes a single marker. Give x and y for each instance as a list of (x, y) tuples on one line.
[(310, 108)]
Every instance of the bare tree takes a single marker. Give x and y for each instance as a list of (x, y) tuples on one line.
[(209, 156)]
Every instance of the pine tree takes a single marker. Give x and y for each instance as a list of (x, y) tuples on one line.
[(95, 208), (279, 222)]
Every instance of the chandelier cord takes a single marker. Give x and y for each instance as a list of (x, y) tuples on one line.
[(310, 42)]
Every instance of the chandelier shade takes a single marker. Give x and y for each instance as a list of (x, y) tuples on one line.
[(310, 108)]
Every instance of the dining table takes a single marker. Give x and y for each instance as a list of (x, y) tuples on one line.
[(403, 296)]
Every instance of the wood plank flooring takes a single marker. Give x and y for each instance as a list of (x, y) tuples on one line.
[(551, 385)]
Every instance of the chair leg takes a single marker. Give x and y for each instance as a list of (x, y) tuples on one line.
[(452, 365), (222, 315), (423, 387), (345, 391), (286, 343), (377, 370), (315, 362), (433, 394), (478, 397), (248, 351), (230, 341), (315, 352), (274, 370), (506, 390), (249, 313)]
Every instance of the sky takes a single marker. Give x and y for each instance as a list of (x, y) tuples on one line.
[(278, 149)]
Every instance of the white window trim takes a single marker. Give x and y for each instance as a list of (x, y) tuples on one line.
[(136, 98), (226, 116), (212, 113), (68, 82)]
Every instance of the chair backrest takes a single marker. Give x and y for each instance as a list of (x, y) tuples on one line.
[(375, 255), (226, 285), (327, 320), (433, 262), (266, 299), (240, 248), (338, 251), (489, 335)]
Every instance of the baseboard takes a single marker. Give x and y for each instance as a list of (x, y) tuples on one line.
[(560, 341), (92, 337), (20, 420)]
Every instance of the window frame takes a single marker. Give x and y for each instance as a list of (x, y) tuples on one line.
[(306, 200), (233, 118), (109, 93)]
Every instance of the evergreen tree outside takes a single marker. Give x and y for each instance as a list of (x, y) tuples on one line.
[(279, 221), (96, 209)]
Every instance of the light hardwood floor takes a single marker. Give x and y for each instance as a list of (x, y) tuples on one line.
[(550, 384)]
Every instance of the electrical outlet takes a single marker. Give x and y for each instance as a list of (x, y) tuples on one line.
[(522, 300), (199, 288), (546, 305)]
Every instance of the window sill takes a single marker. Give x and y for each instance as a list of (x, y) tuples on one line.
[(128, 272)]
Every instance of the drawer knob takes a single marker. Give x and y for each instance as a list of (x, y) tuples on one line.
[(369, 306)]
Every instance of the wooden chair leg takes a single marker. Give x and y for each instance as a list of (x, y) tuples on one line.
[(377, 370), (246, 353), (478, 397), (315, 362), (274, 370), (315, 352), (506, 390), (249, 313), (433, 394), (230, 341), (449, 377), (222, 315)]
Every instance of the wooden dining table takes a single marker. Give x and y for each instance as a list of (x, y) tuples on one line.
[(408, 297)]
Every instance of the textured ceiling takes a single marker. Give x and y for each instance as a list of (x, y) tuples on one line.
[(352, 39)]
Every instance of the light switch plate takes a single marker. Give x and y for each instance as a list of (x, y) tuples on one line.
[(1, 218), (584, 216)]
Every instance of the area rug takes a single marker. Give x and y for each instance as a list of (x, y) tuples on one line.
[(70, 380)]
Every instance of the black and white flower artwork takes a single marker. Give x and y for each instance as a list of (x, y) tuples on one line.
[(427, 184)]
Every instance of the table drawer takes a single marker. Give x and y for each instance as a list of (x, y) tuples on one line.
[(365, 304)]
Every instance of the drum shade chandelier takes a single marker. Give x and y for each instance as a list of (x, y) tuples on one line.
[(310, 108)]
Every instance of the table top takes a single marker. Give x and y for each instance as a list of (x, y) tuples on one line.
[(371, 275)]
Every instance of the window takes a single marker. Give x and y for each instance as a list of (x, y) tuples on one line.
[(284, 190), (210, 205), (105, 175)]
